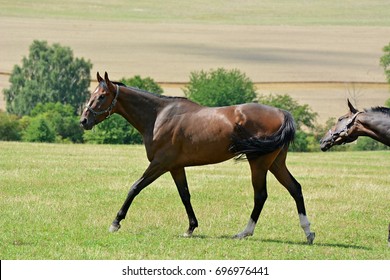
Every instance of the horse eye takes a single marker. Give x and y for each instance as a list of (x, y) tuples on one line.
[(101, 97)]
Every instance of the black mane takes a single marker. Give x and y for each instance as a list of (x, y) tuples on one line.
[(379, 109), (148, 92)]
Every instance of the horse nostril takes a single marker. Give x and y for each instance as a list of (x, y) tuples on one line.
[(83, 122)]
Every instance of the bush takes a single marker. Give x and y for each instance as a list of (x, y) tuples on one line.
[(367, 144), (220, 88), (62, 119), (9, 127), (39, 130)]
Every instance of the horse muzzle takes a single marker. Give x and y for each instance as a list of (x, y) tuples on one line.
[(325, 145), (86, 124)]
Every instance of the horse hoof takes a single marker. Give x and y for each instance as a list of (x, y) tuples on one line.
[(310, 238), (241, 235), (114, 228), (188, 233)]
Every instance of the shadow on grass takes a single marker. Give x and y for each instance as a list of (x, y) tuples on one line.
[(334, 245), (252, 239)]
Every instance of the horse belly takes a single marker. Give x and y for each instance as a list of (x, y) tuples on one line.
[(206, 142)]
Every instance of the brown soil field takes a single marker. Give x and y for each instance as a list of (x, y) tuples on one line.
[(319, 66)]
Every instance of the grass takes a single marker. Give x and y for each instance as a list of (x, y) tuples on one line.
[(267, 12), (57, 202)]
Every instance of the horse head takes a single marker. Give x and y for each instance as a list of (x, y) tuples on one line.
[(101, 103), (343, 131)]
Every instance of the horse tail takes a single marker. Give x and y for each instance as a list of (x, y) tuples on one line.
[(246, 146)]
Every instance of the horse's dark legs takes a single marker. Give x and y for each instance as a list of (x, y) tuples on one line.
[(260, 196), (259, 169), (179, 176), (152, 173), (279, 169)]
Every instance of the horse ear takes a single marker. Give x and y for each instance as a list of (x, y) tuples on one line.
[(98, 77), (109, 84), (351, 108)]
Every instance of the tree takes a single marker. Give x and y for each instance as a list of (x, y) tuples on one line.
[(385, 63), (220, 88), (116, 130), (48, 74)]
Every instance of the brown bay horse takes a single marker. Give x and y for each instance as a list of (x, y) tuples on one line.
[(178, 133)]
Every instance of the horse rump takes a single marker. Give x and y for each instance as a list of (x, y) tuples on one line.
[(250, 147)]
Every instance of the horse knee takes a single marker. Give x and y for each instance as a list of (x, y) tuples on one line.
[(261, 196)]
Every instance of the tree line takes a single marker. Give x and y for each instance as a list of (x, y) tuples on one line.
[(48, 92)]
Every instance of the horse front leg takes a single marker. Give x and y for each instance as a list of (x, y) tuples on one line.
[(179, 176), (152, 173)]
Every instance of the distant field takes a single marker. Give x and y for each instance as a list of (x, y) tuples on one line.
[(268, 12), (271, 41), (57, 202)]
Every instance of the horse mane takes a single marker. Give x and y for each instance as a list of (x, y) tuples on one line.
[(148, 92), (379, 109), (246, 146)]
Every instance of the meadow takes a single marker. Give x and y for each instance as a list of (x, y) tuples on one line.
[(57, 202), (266, 12)]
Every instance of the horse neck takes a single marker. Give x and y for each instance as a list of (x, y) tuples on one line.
[(375, 125), (138, 108)]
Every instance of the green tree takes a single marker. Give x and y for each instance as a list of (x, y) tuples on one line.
[(48, 74), (116, 130), (385, 63), (220, 87)]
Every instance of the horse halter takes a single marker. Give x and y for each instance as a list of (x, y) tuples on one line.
[(109, 109), (344, 132)]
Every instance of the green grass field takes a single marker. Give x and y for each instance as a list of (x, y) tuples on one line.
[(57, 202), (267, 12)]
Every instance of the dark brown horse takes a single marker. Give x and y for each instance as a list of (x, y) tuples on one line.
[(374, 123), (178, 133)]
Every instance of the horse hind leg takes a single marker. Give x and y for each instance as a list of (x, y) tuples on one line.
[(280, 171), (260, 196), (259, 170)]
